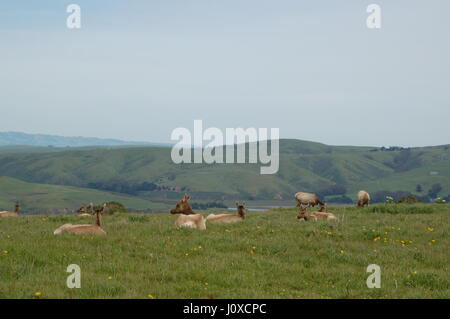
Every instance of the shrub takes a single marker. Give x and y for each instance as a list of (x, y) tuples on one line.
[(434, 190), (114, 207), (409, 200), (201, 206)]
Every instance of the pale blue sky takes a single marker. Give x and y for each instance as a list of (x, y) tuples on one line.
[(138, 69)]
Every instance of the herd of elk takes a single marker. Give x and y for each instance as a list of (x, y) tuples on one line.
[(188, 218), (305, 200)]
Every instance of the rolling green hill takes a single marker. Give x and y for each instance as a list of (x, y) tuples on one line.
[(42, 198), (149, 172)]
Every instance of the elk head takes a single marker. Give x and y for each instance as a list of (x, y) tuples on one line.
[(302, 213), (183, 207), (241, 209)]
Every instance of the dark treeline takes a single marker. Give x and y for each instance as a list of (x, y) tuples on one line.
[(132, 189), (204, 206)]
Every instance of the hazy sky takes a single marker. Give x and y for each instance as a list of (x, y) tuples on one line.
[(138, 69)]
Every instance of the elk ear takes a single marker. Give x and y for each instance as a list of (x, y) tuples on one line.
[(187, 197)]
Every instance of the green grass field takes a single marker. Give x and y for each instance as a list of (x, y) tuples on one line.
[(269, 255)]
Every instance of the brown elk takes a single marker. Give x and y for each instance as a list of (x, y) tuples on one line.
[(308, 199), (188, 218), (11, 214), (228, 218), (95, 229), (320, 214), (363, 198)]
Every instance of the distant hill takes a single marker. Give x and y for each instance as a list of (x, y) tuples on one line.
[(47, 199), (148, 172), (18, 138)]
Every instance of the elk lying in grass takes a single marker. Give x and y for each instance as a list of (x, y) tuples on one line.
[(95, 229), (188, 218), (228, 218), (11, 214), (363, 198), (85, 211), (320, 214), (308, 199)]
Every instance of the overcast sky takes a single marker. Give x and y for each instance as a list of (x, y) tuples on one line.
[(138, 69)]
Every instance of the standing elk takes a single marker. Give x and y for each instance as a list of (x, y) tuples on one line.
[(188, 218), (308, 199), (228, 218), (11, 214), (363, 198), (95, 229)]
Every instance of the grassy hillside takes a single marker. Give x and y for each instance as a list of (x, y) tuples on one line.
[(269, 255), (304, 166), (41, 198)]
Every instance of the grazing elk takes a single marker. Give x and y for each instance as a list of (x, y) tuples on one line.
[(363, 198), (308, 199), (188, 218), (95, 229), (11, 214), (228, 218)]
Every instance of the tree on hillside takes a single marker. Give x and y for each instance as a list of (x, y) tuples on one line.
[(419, 188), (434, 190), (114, 207)]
